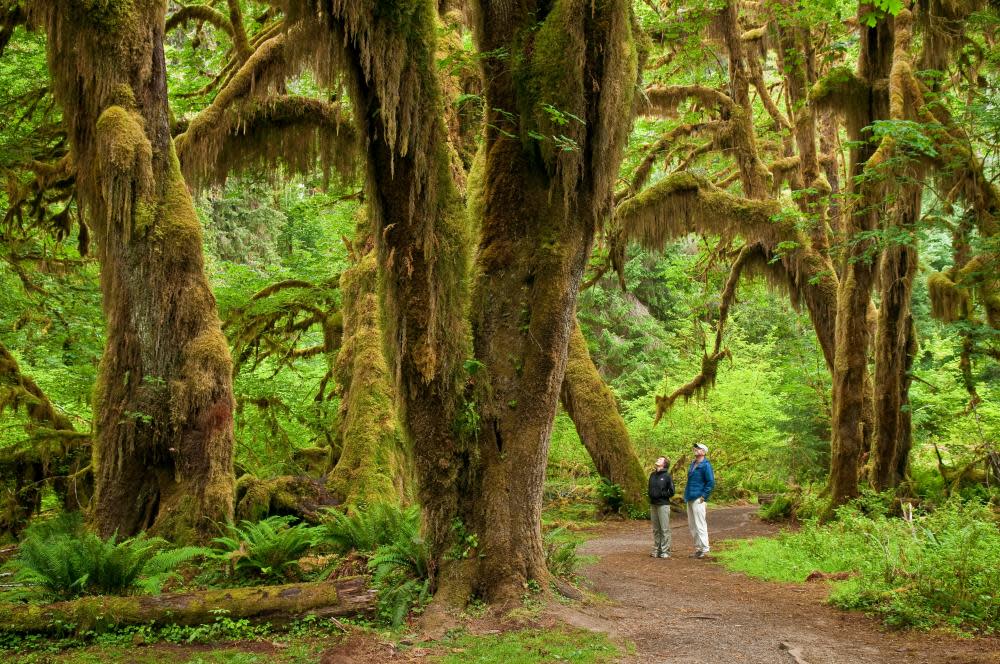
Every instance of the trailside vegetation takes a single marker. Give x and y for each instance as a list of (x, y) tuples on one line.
[(382, 301)]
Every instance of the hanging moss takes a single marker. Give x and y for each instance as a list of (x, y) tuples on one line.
[(683, 203), (843, 91), (125, 170), (948, 301)]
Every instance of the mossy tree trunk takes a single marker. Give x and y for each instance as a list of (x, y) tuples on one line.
[(852, 407), (373, 462), (592, 407), (895, 346), (163, 401), (480, 430), (571, 73)]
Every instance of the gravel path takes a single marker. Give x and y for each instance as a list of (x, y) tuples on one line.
[(687, 611)]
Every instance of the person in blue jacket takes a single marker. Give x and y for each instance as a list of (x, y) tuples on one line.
[(700, 482)]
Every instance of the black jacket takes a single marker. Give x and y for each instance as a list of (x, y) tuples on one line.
[(661, 487)]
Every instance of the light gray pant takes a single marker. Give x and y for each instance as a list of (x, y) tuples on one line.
[(698, 525), (660, 516)]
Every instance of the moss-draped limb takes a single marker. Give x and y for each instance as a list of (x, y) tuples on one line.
[(163, 399), (374, 462), (717, 129), (663, 100), (591, 405), (201, 13), (684, 203), (705, 379), (347, 596), (296, 133), (17, 389)]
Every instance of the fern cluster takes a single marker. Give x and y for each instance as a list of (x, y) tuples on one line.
[(266, 548), (401, 572), (561, 558), (64, 560), (367, 528), (398, 557)]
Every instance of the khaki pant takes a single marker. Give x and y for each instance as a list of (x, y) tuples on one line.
[(660, 516), (698, 525)]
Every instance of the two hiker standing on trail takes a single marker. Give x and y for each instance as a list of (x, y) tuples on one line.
[(661, 490), (700, 482)]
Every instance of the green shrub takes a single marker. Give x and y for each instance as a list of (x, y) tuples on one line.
[(367, 528), (782, 507), (942, 569), (612, 496), (64, 560), (266, 548)]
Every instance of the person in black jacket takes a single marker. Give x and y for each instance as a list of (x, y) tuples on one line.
[(661, 490)]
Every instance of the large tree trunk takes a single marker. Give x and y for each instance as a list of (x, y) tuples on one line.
[(480, 452), (895, 346), (163, 401), (374, 464), (852, 409), (341, 597), (541, 204), (592, 407)]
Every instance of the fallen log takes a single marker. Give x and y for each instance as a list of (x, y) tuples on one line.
[(348, 596)]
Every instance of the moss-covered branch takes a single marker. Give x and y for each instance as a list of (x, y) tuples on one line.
[(663, 100), (685, 203), (298, 133), (17, 389), (201, 13)]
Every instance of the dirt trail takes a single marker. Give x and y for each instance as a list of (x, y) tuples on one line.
[(686, 611)]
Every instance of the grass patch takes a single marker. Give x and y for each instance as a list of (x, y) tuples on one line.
[(940, 569), (530, 647)]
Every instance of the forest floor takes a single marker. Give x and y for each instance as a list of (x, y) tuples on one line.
[(686, 611), (678, 611)]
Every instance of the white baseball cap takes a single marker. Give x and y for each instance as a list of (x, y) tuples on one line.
[(701, 447)]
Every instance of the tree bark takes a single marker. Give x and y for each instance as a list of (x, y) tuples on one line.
[(852, 408), (374, 463), (541, 204), (163, 400), (592, 407), (480, 429), (895, 346), (341, 597)]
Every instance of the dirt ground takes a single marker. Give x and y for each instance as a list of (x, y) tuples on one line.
[(686, 611)]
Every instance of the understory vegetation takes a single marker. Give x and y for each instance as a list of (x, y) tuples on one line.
[(926, 568), (408, 296)]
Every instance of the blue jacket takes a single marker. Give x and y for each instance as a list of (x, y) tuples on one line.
[(701, 481)]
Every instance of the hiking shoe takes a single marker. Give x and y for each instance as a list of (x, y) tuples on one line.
[(700, 554), (654, 555), (664, 555)]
